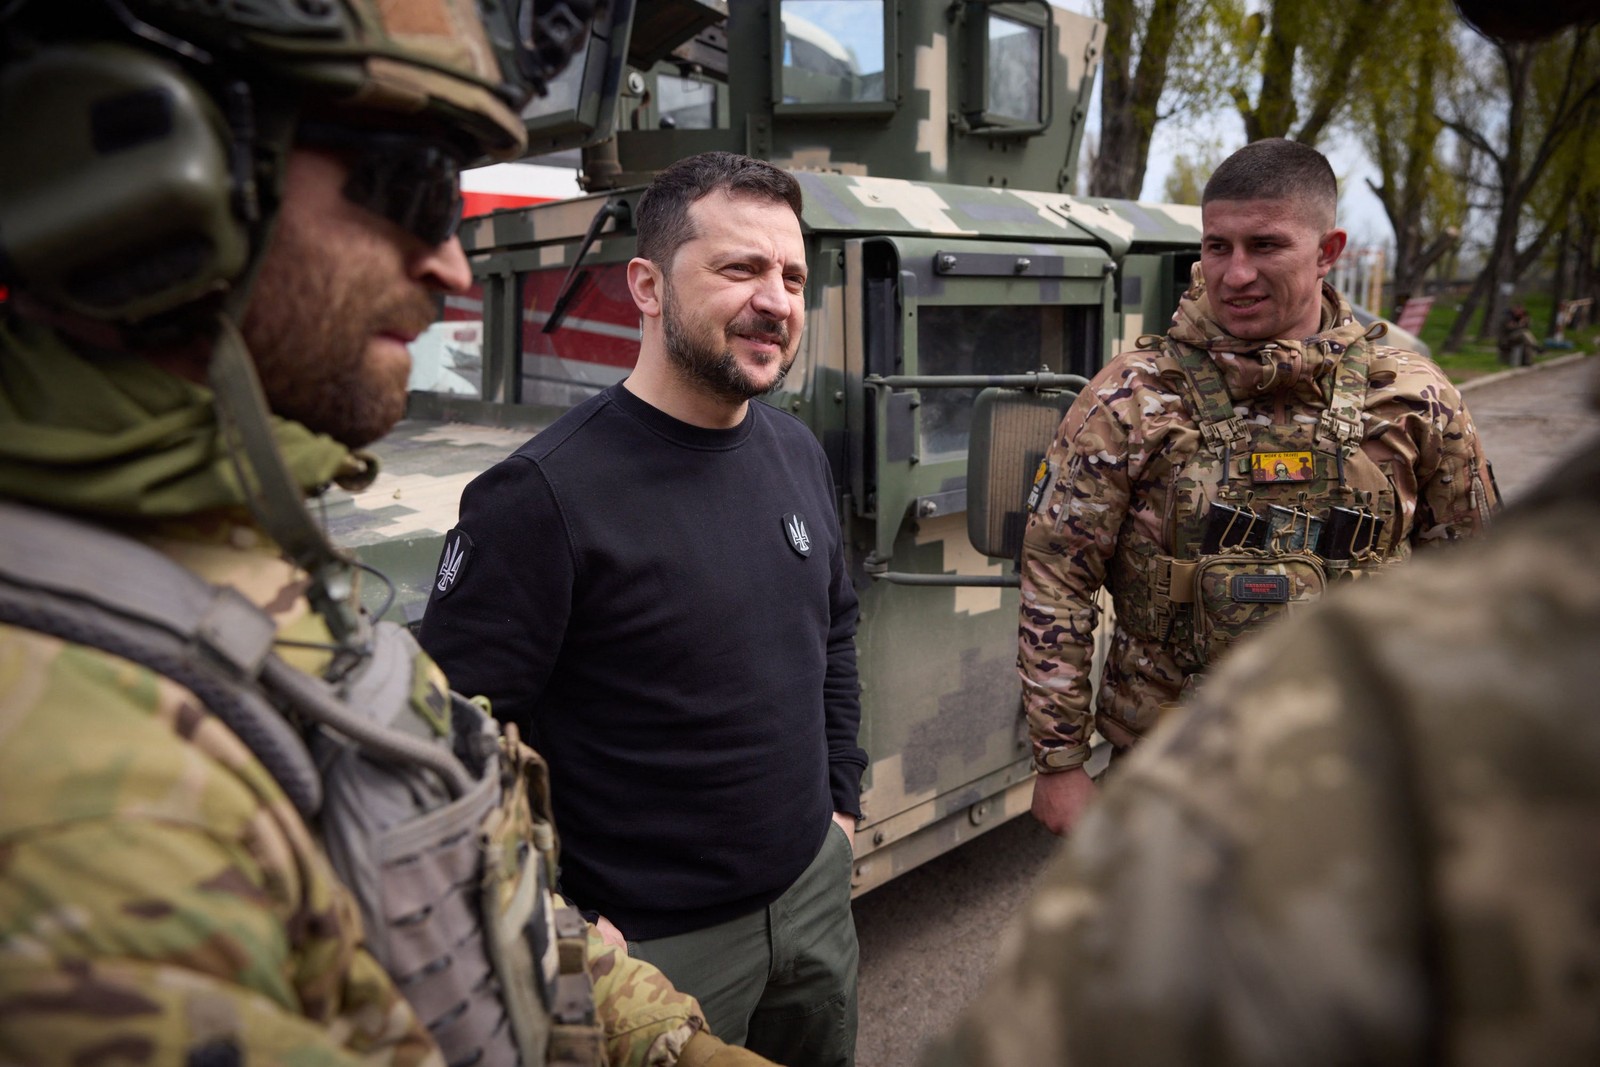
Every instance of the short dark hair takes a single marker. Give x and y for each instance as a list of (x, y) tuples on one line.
[(1276, 169), (661, 219)]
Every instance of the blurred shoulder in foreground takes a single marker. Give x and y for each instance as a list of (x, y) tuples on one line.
[(1372, 838)]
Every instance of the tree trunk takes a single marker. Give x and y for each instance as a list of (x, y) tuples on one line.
[(1274, 112), (1411, 270), (1130, 95), (1469, 306)]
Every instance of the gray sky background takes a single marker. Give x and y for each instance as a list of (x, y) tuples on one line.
[(1359, 210)]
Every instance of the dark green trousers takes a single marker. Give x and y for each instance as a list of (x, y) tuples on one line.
[(780, 981)]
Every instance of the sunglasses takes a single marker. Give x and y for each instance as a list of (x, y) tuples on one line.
[(413, 182)]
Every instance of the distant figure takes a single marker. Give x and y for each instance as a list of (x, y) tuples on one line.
[(1166, 485), (655, 589), (1517, 342), (1374, 838)]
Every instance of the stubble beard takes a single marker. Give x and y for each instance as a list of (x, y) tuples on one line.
[(311, 320), (699, 360)]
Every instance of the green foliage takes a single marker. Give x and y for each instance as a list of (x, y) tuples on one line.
[(1189, 174), (1477, 358), (1289, 66), (1570, 186), (1156, 65)]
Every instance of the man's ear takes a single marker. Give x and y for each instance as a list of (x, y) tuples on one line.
[(1329, 249), (645, 283)]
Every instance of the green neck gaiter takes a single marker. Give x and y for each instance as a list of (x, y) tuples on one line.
[(114, 436)]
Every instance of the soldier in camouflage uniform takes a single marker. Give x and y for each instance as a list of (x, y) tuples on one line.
[(1371, 838), (1202, 477), (162, 898)]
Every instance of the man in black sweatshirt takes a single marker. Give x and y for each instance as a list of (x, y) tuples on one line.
[(654, 590)]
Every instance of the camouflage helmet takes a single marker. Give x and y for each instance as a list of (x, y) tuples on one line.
[(463, 66), (140, 140)]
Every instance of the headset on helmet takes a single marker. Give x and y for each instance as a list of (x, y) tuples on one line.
[(140, 139), (142, 143)]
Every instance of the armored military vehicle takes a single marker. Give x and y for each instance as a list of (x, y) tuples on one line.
[(936, 143)]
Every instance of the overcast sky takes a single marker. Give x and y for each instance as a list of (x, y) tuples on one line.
[(1359, 210)]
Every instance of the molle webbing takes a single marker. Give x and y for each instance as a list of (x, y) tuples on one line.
[(401, 800), (87, 586), (1339, 427), (1222, 431)]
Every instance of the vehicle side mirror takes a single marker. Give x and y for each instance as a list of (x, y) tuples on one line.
[(1011, 431)]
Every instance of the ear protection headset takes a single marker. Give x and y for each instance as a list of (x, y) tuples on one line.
[(128, 188), (119, 197), (126, 194)]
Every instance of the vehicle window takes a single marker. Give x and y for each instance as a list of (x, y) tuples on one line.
[(685, 103), (596, 345), (832, 51), (978, 340), (1013, 69)]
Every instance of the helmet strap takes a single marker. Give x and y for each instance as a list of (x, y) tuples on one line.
[(276, 501)]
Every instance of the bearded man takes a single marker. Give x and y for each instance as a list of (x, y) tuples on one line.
[(240, 820), (654, 589)]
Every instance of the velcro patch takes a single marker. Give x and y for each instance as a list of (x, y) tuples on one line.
[(1281, 467), (794, 528), (1260, 589), (457, 548), (1042, 479)]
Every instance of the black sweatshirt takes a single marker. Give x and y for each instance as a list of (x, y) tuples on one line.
[(665, 613)]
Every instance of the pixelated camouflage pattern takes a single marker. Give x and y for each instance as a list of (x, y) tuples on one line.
[(880, 205), (1371, 840), (1133, 477)]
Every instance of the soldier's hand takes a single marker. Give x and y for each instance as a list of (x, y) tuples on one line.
[(1059, 799), (610, 934)]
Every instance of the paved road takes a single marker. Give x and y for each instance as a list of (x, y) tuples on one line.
[(929, 937), (1530, 420)]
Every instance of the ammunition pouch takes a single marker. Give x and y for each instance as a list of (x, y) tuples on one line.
[(1247, 545), (1236, 593), (1200, 608)]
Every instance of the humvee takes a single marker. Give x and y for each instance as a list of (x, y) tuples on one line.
[(951, 273)]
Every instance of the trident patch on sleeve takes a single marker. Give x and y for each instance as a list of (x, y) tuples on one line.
[(457, 549)]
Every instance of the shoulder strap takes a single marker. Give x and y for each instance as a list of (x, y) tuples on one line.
[(1339, 430), (1221, 430), (400, 813), (89, 586), (84, 584)]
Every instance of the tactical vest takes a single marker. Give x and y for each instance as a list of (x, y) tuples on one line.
[(435, 820), (1263, 517)]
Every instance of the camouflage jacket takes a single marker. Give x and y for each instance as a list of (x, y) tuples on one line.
[(1110, 509), (1381, 853), (161, 900)]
